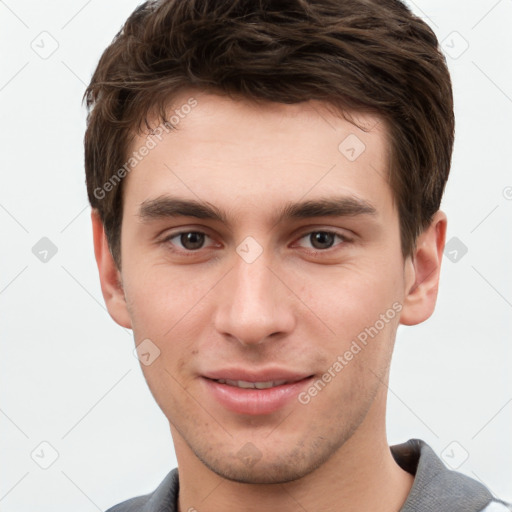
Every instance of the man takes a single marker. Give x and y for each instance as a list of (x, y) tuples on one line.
[(265, 180)]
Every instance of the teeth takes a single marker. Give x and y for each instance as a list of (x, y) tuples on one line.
[(252, 385)]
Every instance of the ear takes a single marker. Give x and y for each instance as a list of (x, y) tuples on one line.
[(422, 272), (110, 276)]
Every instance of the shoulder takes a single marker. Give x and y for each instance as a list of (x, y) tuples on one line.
[(164, 497), (131, 505), (438, 488)]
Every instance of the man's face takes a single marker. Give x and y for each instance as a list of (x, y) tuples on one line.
[(275, 291)]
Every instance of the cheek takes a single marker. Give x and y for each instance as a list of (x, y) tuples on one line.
[(160, 299), (350, 299), (170, 309)]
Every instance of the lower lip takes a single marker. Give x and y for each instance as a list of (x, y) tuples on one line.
[(255, 401)]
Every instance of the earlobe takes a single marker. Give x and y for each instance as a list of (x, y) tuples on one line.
[(422, 273), (110, 276)]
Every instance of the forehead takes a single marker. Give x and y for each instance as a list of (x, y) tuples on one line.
[(237, 152)]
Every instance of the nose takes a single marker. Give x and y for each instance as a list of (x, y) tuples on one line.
[(254, 304)]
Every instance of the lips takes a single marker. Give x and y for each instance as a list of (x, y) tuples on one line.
[(252, 385), (254, 393), (266, 375)]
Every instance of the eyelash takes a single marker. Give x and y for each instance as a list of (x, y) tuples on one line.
[(188, 252)]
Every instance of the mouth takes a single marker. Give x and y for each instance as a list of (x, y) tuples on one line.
[(244, 384), (255, 396)]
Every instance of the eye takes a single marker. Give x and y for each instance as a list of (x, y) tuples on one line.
[(189, 240), (322, 240), (317, 241)]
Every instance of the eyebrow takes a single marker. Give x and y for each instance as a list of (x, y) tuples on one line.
[(340, 206)]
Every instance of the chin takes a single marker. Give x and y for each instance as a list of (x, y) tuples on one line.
[(268, 468), (263, 474)]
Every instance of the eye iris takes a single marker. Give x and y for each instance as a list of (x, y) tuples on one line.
[(321, 239), (192, 240)]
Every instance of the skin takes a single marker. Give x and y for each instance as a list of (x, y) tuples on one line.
[(289, 308)]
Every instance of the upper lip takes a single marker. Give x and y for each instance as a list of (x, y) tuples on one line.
[(271, 374)]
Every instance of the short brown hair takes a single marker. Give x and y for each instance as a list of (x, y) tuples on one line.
[(364, 55)]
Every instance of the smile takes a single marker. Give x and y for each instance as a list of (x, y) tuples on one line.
[(255, 397), (252, 385)]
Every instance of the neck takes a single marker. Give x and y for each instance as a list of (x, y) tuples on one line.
[(360, 475)]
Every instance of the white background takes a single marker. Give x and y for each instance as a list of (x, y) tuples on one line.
[(68, 374)]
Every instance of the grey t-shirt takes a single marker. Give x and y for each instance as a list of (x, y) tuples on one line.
[(435, 487)]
